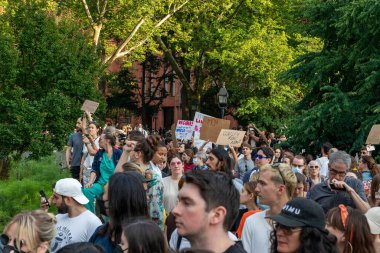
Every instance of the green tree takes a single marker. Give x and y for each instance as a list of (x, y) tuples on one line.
[(48, 69), (343, 78), (122, 29), (246, 45)]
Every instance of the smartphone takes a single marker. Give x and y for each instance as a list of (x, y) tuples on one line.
[(333, 187), (44, 198)]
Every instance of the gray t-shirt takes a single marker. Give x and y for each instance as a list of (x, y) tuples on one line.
[(76, 143), (244, 166), (322, 194)]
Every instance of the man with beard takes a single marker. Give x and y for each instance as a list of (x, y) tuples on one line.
[(74, 222), (74, 150)]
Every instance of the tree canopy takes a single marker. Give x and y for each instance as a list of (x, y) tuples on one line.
[(48, 69), (343, 91)]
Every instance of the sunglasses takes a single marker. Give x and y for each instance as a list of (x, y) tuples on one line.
[(4, 239), (285, 229), (259, 157), (312, 167)]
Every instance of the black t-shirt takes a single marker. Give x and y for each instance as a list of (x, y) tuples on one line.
[(236, 248)]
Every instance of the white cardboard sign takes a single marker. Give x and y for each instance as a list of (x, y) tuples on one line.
[(184, 129), (198, 122), (230, 137), (90, 106)]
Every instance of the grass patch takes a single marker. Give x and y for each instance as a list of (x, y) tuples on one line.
[(21, 191)]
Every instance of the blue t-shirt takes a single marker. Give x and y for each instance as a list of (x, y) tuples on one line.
[(366, 175)]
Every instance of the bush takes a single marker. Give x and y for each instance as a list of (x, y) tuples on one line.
[(21, 191)]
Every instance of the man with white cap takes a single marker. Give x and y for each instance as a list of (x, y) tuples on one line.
[(74, 222), (373, 218)]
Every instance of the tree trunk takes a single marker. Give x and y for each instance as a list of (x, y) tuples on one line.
[(97, 30), (4, 168), (143, 109)]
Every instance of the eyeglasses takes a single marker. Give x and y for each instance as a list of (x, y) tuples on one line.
[(4, 239), (285, 229), (174, 163), (259, 157), (339, 173)]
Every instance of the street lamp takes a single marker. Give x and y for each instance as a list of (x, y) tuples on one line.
[(222, 99)]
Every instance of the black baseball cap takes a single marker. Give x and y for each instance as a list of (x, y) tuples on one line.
[(301, 212)]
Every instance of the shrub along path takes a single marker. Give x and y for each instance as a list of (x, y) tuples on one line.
[(20, 192)]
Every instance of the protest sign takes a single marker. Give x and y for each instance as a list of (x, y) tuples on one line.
[(230, 137), (211, 128), (184, 129), (90, 106), (197, 126), (374, 135)]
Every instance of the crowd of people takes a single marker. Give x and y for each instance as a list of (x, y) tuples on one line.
[(135, 192)]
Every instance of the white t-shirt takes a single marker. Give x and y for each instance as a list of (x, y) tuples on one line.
[(256, 234), (87, 163), (76, 229), (170, 193), (324, 165)]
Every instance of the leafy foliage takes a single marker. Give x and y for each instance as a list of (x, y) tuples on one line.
[(48, 69), (343, 78), (246, 45)]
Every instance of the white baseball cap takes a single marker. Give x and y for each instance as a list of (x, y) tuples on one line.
[(70, 187), (373, 218)]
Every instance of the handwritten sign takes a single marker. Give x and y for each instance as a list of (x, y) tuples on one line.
[(211, 128), (90, 106), (374, 135), (197, 126), (184, 129), (230, 137)]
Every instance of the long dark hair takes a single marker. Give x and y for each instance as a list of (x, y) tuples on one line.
[(145, 236), (224, 159), (81, 247), (371, 164), (311, 240), (356, 230), (127, 200), (145, 149), (375, 186)]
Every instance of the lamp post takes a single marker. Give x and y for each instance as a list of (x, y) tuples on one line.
[(222, 99)]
